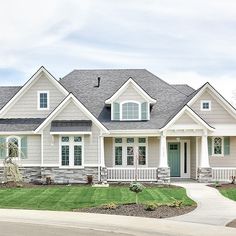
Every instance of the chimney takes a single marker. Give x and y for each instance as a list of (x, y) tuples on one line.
[(99, 80)]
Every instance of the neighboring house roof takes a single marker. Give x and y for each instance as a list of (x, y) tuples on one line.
[(71, 126), (184, 88), (83, 84), (15, 125), (6, 93)]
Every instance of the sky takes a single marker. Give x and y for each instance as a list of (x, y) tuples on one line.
[(180, 41)]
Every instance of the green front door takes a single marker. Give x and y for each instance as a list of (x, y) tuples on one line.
[(174, 159)]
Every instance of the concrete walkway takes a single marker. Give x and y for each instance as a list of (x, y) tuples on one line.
[(109, 224), (213, 208)]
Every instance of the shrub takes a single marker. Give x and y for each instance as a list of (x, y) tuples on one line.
[(89, 179), (109, 206), (176, 203), (150, 207), (217, 184), (233, 179)]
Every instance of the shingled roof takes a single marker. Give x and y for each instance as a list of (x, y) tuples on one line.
[(83, 84), (6, 93)]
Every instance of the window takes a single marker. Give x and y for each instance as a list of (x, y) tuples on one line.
[(130, 111), (118, 156), (13, 147), (43, 100), (124, 151), (71, 151), (205, 105), (218, 146)]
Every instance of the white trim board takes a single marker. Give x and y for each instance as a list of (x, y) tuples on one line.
[(136, 87), (27, 86)]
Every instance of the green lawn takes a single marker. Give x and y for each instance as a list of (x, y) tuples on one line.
[(64, 198), (229, 193)]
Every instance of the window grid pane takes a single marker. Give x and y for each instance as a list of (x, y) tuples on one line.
[(118, 155), (218, 145), (77, 155), (13, 147), (65, 153), (130, 156), (142, 155), (43, 100), (130, 111)]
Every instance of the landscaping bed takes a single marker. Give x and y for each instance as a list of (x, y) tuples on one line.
[(232, 224), (227, 190), (139, 210)]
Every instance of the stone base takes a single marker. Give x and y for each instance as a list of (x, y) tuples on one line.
[(163, 175), (103, 174), (204, 175), (57, 175)]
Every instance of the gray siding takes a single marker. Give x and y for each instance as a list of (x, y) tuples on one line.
[(217, 115), (153, 151), (71, 112), (228, 160), (108, 152), (193, 157), (26, 106), (130, 94), (185, 119)]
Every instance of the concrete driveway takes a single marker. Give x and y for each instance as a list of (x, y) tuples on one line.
[(95, 223), (213, 208)]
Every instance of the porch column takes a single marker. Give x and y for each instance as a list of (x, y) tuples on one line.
[(163, 152), (204, 169), (204, 159), (163, 171)]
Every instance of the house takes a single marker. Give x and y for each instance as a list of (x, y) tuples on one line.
[(112, 124)]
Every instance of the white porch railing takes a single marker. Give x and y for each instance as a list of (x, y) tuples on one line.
[(223, 173), (128, 174)]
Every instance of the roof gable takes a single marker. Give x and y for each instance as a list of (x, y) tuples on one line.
[(20, 92), (135, 86)]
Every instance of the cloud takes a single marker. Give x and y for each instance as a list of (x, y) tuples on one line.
[(189, 41)]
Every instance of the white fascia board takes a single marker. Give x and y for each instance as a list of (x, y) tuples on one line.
[(80, 106), (218, 97), (128, 133), (137, 88), (27, 86), (71, 132), (192, 114)]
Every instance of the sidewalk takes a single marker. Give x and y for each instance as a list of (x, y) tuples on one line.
[(111, 223), (213, 208)]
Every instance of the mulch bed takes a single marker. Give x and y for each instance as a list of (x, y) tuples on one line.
[(138, 210), (223, 186), (232, 224)]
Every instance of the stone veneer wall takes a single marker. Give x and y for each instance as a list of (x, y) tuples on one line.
[(204, 175), (58, 175), (163, 175)]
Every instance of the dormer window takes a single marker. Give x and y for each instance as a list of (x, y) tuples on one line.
[(43, 100), (205, 105), (130, 111)]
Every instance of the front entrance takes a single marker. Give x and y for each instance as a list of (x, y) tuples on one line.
[(174, 159)]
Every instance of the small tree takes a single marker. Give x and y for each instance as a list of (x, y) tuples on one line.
[(136, 188), (11, 168)]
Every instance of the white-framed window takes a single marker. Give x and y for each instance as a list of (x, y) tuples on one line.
[(124, 151), (205, 105), (71, 151), (43, 100), (130, 110), (13, 147), (218, 146)]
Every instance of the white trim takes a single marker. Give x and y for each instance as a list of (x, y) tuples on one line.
[(222, 147), (124, 146), (181, 152), (123, 88), (71, 145), (121, 110), (79, 105), (72, 132), (16, 132), (28, 84), (38, 100), (197, 157), (205, 109), (42, 149), (192, 114)]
